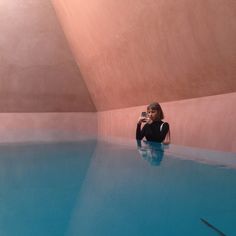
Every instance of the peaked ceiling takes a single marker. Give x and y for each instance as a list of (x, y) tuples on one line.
[(126, 53), (132, 52)]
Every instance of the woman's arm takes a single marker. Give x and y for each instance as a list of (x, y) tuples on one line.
[(139, 132), (164, 131)]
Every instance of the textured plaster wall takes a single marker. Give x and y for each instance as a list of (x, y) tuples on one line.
[(135, 51), (207, 122), (126, 54), (180, 53), (47, 127), (37, 70)]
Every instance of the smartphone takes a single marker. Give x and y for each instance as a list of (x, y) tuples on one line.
[(144, 114)]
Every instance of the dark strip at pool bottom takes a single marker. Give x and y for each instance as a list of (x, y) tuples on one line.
[(213, 227)]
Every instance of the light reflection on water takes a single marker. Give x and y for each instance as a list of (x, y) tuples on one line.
[(98, 188)]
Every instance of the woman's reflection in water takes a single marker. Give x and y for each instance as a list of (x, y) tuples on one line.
[(152, 152)]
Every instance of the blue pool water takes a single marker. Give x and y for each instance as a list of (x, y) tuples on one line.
[(96, 188)]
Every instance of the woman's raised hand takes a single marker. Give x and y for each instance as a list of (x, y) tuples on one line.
[(143, 119)]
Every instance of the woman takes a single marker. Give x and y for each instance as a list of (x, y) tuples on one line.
[(155, 129)]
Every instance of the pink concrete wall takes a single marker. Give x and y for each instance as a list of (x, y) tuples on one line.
[(45, 127), (132, 52), (129, 53), (207, 122), (37, 70)]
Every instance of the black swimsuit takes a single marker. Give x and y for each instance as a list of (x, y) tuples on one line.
[(152, 132)]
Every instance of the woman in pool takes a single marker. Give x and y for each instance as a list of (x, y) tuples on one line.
[(155, 129)]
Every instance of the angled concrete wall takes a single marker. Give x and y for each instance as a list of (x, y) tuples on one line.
[(179, 53), (207, 122), (128, 54), (47, 127), (136, 51), (37, 70)]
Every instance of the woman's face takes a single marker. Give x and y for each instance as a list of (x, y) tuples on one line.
[(152, 114)]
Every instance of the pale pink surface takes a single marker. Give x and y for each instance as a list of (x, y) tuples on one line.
[(38, 72), (129, 53), (132, 52), (207, 122), (44, 127)]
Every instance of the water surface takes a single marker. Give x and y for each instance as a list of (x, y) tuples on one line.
[(93, 188)]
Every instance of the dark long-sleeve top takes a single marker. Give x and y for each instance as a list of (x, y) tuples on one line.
[(152, 131)]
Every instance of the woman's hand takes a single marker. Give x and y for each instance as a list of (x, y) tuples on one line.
[(142, 119)]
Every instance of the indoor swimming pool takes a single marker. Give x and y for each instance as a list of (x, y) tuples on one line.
[(99, 188)]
